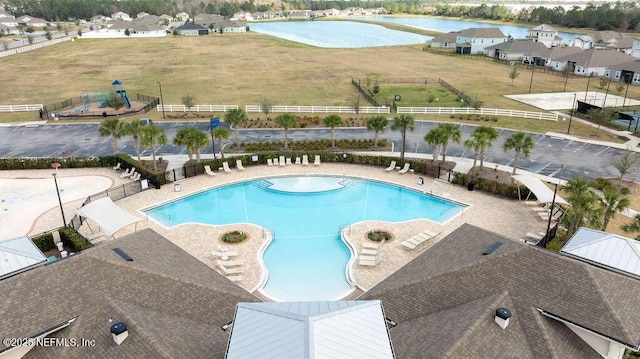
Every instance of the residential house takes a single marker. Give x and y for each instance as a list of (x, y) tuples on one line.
[(546, 34), (628, 72), (7, 30), (379, 11), (582, 41), (299, 15), (5, 15), (447, 41), (192, 29), (242, 16), (232, 26), (475, 40), (556, 52), (525, 51), (182, 16), (635, 47), (475, 294), (166, 19), (612, 40), (121, 16), (35, 22), (98, 19), (9, 21), (140, 27), (591, 62)]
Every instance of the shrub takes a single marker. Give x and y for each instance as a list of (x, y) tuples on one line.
[(379, 236), (44, 242), (73, 239), (234, 237)]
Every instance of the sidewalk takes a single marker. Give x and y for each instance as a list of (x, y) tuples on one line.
[(632, 144)]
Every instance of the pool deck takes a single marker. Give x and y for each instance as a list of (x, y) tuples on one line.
[(511, 219)]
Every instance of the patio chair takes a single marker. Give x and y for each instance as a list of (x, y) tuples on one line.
[(269, 162), (234, 277), (391, 167), (419, 238), (298, 160), (207, 170), (128, 172), (117, 167), (316, 162), (239, 165), (136, 176), (275, 162), (228, 263), (224, 255), (225, 166), (231, 270), (288, 161), (368, 260), (405, 169), (281, 161), (305, 160)]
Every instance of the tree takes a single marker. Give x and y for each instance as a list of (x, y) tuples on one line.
[(451, 133), (236, 118), (153, 137), (600, 116), (79, 32), (473, 143), (603, 82), (485, 135), (522, 144), (221, 133), (403, 123), (116, 102), (48, 35), (193, 139), (513, 74), (266, 106), (133, 128), (633, 227), (585, 208), (435, 137), (476, 104), (30, 39), (378, 124), (127, 32), (612, 202), (113, 128), (619, 87), (286, 121), (356, 101), (189, 101), (626, 163), (333, 121)]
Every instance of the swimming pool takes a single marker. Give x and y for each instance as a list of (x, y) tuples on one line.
[(307, 258)]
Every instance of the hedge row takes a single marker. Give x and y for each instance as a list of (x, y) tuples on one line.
[(498, 188), (316, 145), (68, 236)]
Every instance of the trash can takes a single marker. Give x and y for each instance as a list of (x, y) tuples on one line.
[(176, 187), (470, 185), (420, 180)]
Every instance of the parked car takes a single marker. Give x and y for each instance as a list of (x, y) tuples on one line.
[(146, 121)]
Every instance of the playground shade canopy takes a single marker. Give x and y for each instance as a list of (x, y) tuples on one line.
[(539, 189), (109, 216)]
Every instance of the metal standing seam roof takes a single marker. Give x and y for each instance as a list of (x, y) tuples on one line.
[(607, 249), (342, 329), (17, 254)]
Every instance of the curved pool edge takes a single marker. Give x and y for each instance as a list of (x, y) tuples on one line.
[(264, 272)]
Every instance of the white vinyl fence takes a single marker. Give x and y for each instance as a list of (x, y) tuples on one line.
[(197, 108), (481, 111), (20, 108), (33, 47), (317, 109)]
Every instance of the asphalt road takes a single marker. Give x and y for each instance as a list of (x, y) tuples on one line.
[(554, 157)]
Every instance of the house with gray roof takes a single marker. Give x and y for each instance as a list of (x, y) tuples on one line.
[(475, 40), (611, 40), (447, 41), (517, 50), (553, 53), (545, 34), (592, 62), (192, 29), (628, 72)]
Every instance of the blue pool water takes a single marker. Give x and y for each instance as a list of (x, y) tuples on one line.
[(307, 260)]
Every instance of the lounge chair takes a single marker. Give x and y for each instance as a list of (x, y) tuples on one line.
[(207, 170), (225, 167), (275, 162), (391, 167), (136, 176), (234, 277), (269, 162), (316, 162), (288, 161), (419, 238), (117, 167), (298, 160), (405, 169), (224, 255), (228, 263), (231, 270), (370, 245), (305, 160), (281, 161), (128, 172), (239, 165), (368, 260)]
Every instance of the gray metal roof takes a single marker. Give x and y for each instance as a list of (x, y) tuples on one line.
[(343, 329), (18, 254), (607, 249)]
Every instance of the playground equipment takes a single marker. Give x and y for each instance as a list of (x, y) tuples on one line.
[(96, 97), (119, 89)]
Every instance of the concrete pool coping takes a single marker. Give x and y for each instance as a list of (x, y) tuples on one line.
[(509, 218)]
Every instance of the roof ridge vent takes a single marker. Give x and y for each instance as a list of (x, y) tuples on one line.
[(491, 248), (122, 254), (502, 317)]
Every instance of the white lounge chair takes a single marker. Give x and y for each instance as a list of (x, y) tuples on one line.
[(136, 176), (207, 170), (405, 169), (288, 161), (228, 263), (275, 162), (231, 270), (117, 167), (305, 160), (225, 167), (316, 162), (128, 172), (269, 162), (368, 260), (224, 255), (234, 277), (419, 238), (281, 161), (239, 165), (298, 160), (391, 167), (370, 245)]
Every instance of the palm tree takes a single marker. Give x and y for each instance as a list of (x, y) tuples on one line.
[(633, 227), (377, 124), (451, 132), (113, 128), (403, 123), (193, 139), (485, 136), (286, 121), (521, 143), (435, 137), (612, 202), (236, 118), (333, 121), (473, 143), (221, 133), (133, 129), (585, 208), (153, 137)]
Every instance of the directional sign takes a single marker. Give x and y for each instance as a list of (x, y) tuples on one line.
[(215, 122)]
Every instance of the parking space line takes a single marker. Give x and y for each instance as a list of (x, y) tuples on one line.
[(602, 151), (568, 144), (540, 139), (545, 166), (584, 144)]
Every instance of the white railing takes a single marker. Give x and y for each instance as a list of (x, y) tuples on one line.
[(197, 108), (317, 109), (33, 47), (20, 108), (481, 111)]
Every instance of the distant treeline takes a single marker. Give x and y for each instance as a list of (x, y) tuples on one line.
[(619, 16)]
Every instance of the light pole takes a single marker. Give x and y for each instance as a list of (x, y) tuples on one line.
[(161, 99), (604, 103), (553, 203), (588, 81), (531, 82), (627, 80), (55, 180), (571, 113)]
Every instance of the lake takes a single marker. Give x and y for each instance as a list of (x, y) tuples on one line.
[(350, 34)]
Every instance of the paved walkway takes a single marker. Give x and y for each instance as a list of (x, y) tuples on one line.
[(632, 144)]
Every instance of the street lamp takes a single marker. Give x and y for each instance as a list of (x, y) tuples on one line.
[(553, 203), (531, 82), (604, 103), (571, 113), (588, 81), (628, 81), (161, 99), (55, 180)]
